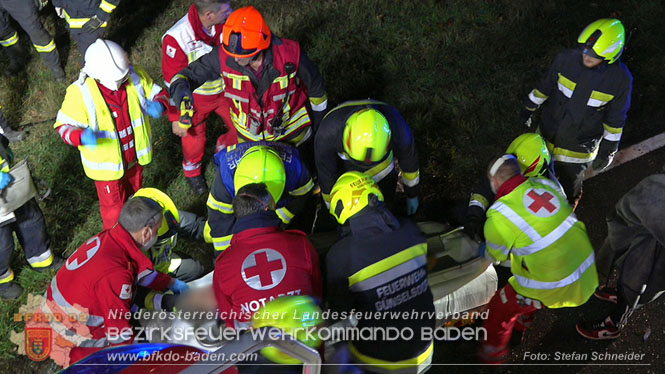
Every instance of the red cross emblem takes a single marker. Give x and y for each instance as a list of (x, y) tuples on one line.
[(264, 269), (83, 254), (541, 202)]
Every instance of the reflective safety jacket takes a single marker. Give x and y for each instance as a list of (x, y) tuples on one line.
[(581, 106), (332, 161), (97, 284), (263, 262), (78, 12), (552, 259), (183, 44), (84, 106), (380, 266), (258, 105), (298, 187)]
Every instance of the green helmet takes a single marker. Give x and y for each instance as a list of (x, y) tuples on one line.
[(294, 315), (604, 39), (261, 164), (350, 195), (367, 136), (532, 154), (167, 233)]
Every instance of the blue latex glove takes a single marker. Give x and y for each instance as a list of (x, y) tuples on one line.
[(482, 249), (411, 205), (89, 138), (155, 109), (5, 179), (178, 286)]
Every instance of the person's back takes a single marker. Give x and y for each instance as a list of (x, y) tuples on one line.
[(379, 268), (263, 262)]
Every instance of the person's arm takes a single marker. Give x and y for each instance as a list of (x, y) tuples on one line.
[(316, 89), (71, 121), (300, 194), (173, 60), (106, 8), (206, 68), (480, 201), (542, 91), (114, 294), (224, 305), (405, 151), (219, 228), (325, 157), (499, 242)]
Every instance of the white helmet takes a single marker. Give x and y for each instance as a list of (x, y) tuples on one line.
[(107, 62)]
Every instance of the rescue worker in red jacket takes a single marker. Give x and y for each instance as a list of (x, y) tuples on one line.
[(80, 287), (263, 262), (269, 82), (193, 36), (105, 114)]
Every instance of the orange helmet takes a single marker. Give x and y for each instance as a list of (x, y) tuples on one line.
[(245, 33)]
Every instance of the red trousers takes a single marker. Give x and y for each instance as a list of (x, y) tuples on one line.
[(507, 311), (193, 145), (113, 194)]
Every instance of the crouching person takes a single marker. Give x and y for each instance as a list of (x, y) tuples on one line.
[(99, 280), (380, 266)]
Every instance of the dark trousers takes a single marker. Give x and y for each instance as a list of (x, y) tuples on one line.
[(30, 229), (85, 39), (25, 13), (571, 177)]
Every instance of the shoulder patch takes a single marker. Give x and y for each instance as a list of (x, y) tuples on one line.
[(170, 51)]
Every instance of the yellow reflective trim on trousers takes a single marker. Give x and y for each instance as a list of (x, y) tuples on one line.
[(10, 41), (43, 264), (388, 263), (565, 155), (77, 23), (394, 365), (7, 277), (304, 189), (106, 6), (45, 48)]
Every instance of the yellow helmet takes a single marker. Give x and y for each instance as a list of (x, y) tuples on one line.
[(294, 315), (261, 164), (367, 136), (167, 233), (532, 153), (350, 195)]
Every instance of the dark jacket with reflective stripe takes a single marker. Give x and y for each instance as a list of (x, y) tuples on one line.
[(87, 8), (575, 122), (354, 283), (329, 144)]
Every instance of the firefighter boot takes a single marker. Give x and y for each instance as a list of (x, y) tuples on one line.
[(6, 130), (198, 184), (15, 55), (10, 290)]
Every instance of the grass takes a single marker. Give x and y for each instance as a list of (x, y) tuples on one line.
[(457, 70)]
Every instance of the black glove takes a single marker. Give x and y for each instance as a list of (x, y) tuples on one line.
[(179, 89), (605, 155), (525, 117), (475, 222), (92, 25)]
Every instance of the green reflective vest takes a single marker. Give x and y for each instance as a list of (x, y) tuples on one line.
[(552, 259)]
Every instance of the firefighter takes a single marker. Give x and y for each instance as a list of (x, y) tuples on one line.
[(379, 265), (7, 131), (105, 114), (368, 136), (162, 256), (26, 13), (278, 165), (98, 281), (269, 82), (586, 97), (30, 228), (263, 261), (552, 260), (193, 36), (635, 247), (87, 20), (535, 161)]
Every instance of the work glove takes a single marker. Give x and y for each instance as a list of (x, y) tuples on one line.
[(178, 286), (605, 155), (5, 179), (92, 25), (186, 112), (155, 109), (473, 227), (89, 138), (526, 117), (411, 205)]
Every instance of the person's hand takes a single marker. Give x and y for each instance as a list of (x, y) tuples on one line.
[(411, 205), (89, 138), (525, 117), (178, 130), (155, 109), (178, 286), (92, 25), (602, 162), (5, 179)]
